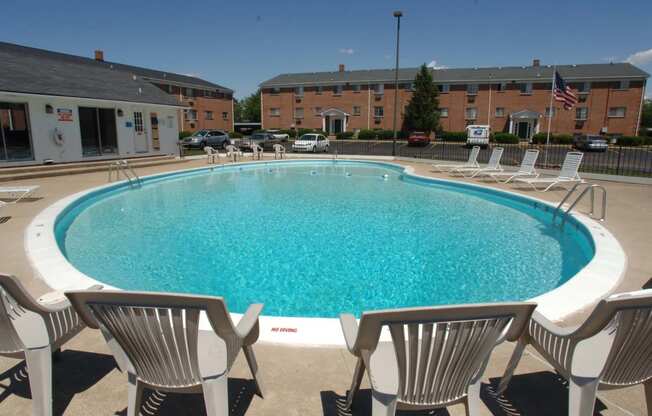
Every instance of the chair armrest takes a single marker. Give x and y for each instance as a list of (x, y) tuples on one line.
[(350, 331), (551, 327), (60, 305), (249, 322)]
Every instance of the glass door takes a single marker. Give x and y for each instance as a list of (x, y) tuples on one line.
[(15, 143), (98, 131)]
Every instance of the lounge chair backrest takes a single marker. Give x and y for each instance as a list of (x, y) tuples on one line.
[(473, 155), (9, 311), (231, 149), (529, 161), (439, 350), (494, 159), (158, 333), (571, 165), (209, 150), (256, 148)]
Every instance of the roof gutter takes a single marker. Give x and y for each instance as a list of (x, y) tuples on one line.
[(28, 94), (187, 84)]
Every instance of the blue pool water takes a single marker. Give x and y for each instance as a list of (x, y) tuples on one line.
[(316, 239)]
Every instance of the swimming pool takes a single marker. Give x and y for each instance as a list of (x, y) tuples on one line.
[(313, 239)]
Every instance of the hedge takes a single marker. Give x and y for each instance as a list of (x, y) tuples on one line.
[(540, 138), (452, 136), (366, 134), (184, 133), (505, 138), (235, 135), (630, 141), (345, 135)]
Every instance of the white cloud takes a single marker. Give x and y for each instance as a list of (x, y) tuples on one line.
[(640, 58), (434, 65), (347, 51)]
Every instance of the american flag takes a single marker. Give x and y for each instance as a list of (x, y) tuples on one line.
[(563, 93)]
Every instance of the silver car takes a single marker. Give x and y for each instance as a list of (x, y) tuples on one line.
[(203, 138)]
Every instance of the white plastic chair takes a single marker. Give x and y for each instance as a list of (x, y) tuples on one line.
[(611, 349), (155, 339), (257, 152), (436, 356), (279, 151), (527, 168), (33, 331), (233, 152), (211, 155), (471, 163), (568, 174), (492, 166)]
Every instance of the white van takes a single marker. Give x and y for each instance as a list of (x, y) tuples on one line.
[(478, 135)]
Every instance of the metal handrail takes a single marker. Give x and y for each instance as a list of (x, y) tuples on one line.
[(122, 166), (589, 187)]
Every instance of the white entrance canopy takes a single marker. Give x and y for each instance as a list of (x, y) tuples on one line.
[(524, 123), (334, 120)]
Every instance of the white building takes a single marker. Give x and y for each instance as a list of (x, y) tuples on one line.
[(65, 108)]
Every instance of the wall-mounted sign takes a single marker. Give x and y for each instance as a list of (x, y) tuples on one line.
[(64, 114), (129, 124)]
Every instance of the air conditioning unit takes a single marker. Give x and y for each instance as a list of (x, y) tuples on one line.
[(471, 98), (298, 100), (379, 97)]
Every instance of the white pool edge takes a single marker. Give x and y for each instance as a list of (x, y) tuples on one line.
[(599, 278)]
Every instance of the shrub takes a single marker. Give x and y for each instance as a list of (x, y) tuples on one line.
[(505, 138), (540, 138), (303, 131), (453, 136), (630, 141), (320, 131), (366, 134), (235, 135), (562, 139), (346, 135), (183, 134)]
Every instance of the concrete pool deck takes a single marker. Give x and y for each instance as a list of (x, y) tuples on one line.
[(296, 380)]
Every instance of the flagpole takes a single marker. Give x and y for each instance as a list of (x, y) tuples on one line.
[(551, 114)]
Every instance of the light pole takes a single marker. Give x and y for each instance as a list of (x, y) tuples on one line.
[(397, 14)]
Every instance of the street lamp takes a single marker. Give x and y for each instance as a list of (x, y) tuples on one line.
[(397, 14)]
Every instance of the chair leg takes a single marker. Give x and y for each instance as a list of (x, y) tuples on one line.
[(253, 366), (383, 404), (216, 396), (473, 404), (135, 395), (581, 396), (355, 384), (511, 366), (648, 396), (39, 369)]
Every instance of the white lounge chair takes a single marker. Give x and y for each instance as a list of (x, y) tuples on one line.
[(33, 331), (568, 174), (527, 168), (471, 163), (155, 339), (212, 155), (18, 192), (492, 166), (611, 349), (436, 356), (279, 151)]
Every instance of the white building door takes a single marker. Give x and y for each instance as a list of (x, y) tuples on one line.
[(140, 134)]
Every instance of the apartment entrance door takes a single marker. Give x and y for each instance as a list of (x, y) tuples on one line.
[(140, 135)]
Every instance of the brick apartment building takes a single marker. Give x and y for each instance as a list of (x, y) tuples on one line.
[(510, 99), (210, 106)]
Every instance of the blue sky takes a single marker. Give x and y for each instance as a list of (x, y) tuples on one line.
[(242, 43)]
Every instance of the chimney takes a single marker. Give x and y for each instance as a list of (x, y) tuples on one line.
[(536, 63), (99, 55), (341, 67)]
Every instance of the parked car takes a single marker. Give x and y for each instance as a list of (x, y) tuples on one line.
[(478, 135), (278, 135), (203, 138), (590, 143), (265, 140), (311, 143), (418, 138)]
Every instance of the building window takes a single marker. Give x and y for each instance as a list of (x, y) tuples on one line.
[(298, 112), (379, 112), (276, 91), (550, 111), (207, 93), (526, 88), (275, 112), (225, 115), (471, 113), (443, 112), (337, 90), (623, 85), (444, 88), (191, 115), (472, 89), (318, 111), (356, 87), (356, 110), (298, 91), (189, 92), (584, 87), (581, 113), (208, 115), (319, 90), (501, 87), (500, 111), (617, 112), (379, 89)]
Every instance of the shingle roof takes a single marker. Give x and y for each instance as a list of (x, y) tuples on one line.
[(452, 75), (37, 71)]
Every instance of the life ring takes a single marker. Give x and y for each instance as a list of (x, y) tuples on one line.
[(58, 137)]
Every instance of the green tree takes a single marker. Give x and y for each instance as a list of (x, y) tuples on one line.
[(248, 109), (422, 112)]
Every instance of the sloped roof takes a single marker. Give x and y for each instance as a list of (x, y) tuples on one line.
[(528, 114), (453, 75), (37, 71)]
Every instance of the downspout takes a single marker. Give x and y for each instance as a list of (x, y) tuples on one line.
[(232, 114), (368, 106), (640, 108), (262, 111)]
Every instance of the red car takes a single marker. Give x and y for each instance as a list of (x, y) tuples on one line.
[(418, 138)]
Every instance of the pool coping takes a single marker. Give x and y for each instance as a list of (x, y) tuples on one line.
[(597, 279)]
